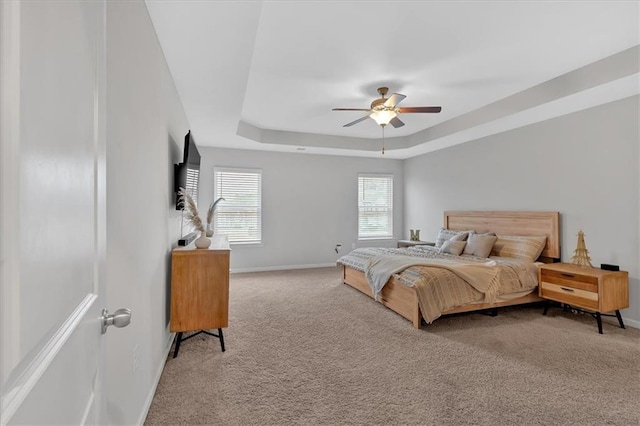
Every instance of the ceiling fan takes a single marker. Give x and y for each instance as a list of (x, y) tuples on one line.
[(386, 110)]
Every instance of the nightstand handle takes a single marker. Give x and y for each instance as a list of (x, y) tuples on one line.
[(567, 275), (567, 289)]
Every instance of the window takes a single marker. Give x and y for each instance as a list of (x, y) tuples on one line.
[(192, 183), (375, 206), (239, 216)]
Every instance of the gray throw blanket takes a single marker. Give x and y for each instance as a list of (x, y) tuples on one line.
[(481, 276)]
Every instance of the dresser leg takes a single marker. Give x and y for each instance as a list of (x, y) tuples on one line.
[(545, 306), (619, 318), (178, 340), (221, 339), (599, 320)]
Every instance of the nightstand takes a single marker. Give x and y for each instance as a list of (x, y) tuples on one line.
[(411, 243), (593, 291)]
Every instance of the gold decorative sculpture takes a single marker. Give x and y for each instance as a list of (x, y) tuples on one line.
[(581, 254), (414, 235)]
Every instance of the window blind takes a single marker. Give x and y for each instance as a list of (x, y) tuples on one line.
[(239, 216), (375, 206), (192, 183)]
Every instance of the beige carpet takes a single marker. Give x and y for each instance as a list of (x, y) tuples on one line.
[(302, 348)]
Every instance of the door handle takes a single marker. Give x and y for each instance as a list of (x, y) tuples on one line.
[(120, 318)]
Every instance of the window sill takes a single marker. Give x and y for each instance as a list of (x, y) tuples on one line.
[(260, 244)]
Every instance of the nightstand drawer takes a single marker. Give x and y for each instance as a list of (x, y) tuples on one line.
[(570, 279), (569, 294)]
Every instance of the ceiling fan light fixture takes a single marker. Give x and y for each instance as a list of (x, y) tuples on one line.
[(385, 110), (383, 117)]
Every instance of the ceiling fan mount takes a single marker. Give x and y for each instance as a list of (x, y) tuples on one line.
[(382, 91), (385, 110)]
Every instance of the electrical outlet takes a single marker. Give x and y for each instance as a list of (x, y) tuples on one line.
[(135, 358)]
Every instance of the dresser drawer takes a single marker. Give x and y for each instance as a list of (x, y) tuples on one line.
[(570, 279), (569, 294)]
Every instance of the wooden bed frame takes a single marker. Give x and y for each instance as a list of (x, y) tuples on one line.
[(404, 300)]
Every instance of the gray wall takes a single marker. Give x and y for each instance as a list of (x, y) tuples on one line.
[(584, 165), (309, 204), (146, 127)]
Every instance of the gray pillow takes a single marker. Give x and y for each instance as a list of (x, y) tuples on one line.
[(448, 234), (480, 244), (453, 247)]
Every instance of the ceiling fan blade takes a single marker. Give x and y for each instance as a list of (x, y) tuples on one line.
[(356, 121), (394, 100), (351, 109), (396, 122), (420, 109)]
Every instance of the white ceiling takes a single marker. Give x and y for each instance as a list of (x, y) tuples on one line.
[(265, 75)]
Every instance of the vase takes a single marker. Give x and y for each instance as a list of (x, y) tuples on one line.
[(209, 231), (202, 242)]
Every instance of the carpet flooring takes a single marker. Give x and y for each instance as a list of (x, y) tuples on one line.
[(303, 348)]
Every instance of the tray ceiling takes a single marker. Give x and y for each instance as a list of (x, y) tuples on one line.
[(265, 75)]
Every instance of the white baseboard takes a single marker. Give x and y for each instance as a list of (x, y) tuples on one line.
[(631, 323), (152, 392), (282, 268)]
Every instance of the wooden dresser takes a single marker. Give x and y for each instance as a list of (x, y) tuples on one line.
[(595, 290), (200, 290)]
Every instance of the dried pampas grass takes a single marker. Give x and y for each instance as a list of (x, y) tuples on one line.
[(212, 209), (191, 210)]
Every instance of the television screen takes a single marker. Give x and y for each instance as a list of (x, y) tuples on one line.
[(187, 173)]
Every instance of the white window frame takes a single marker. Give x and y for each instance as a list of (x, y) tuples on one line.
[(225, 205), (389, 235)]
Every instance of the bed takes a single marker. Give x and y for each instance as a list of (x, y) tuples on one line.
[(402, 292)]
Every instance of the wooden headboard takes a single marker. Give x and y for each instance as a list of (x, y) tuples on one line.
[(511, 223)]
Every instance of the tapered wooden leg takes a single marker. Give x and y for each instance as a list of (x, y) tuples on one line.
[(599, 320), (178, 340), (619, 318), (221, 339)]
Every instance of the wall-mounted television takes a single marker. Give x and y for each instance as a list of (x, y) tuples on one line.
[(187, 173)]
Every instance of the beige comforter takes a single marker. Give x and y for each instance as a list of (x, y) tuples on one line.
[(481, 276), (440, 289)]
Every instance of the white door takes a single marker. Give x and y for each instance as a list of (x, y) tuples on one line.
[(52, 208)]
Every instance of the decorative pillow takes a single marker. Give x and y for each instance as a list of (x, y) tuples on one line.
[(480, 244), (448, 234), (519, 247), (453, 247)]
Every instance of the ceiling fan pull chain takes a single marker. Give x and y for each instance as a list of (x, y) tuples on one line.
[(382, 140)]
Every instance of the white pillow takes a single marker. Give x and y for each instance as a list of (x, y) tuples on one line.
[(453, 247), (480, 244)]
